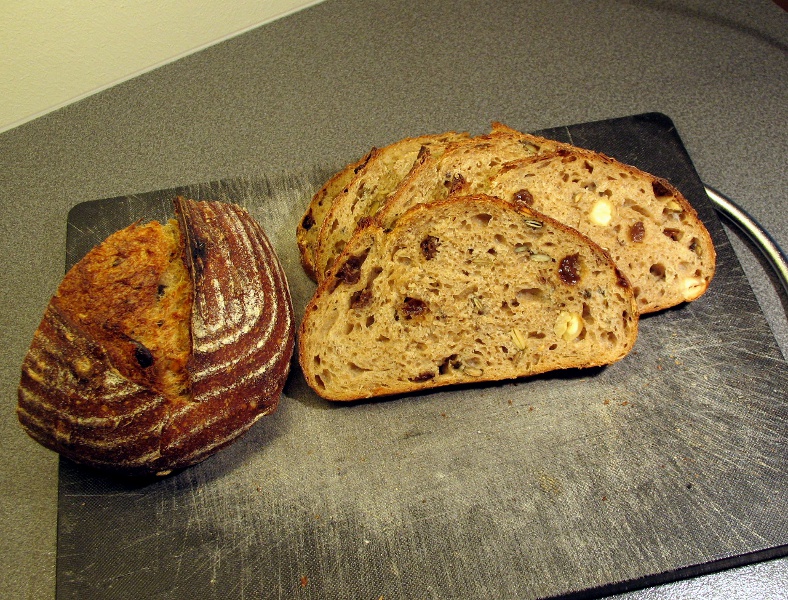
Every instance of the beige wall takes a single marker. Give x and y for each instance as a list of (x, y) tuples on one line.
[(53, 52)]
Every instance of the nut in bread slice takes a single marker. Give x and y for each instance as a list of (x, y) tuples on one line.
[(463, 290)]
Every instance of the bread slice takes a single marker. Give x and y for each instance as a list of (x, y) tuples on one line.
[(368, 190), (308, 228), (647, 226), (463, 290), (162, 345), (437, 172)]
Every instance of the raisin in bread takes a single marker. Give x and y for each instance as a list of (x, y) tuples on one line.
[(463, 290), (368, 190), (162, 345), (647, 226)]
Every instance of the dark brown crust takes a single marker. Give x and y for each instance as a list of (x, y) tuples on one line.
[(73, 400)]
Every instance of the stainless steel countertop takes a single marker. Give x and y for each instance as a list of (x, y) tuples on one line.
[(322, 86)]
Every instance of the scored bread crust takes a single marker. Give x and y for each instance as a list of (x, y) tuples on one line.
[(87, 390), (463, 290), (363, 190)]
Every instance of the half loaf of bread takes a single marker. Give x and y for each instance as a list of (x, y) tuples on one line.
[(162, 345), (463, 290)]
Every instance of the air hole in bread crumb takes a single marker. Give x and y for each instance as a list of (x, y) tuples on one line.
[(552, 346), (539, 335), (526, 294), (482, 219), (449, 363), (641, 211), (370, 321), (657, 270), (587, 316)]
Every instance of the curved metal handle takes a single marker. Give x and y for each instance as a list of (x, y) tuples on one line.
[(757, 234)]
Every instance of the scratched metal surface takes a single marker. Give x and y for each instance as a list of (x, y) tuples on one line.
[(667, 464)]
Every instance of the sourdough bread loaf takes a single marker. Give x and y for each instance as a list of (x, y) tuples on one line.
[(162, 345), (357, 191), (463, 290)]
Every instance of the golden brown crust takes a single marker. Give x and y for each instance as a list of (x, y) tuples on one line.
[(87, 390)]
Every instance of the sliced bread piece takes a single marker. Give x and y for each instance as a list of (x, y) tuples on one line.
[(463, 290), (308, 228), (436, 173), (647, 226), (368, 190)]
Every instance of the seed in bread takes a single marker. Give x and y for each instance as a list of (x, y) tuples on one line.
[(463, 290), (162, 345)]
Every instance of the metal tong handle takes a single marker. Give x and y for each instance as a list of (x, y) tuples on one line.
[(757, 234)]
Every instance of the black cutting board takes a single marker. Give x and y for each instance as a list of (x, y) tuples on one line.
[(667, 464)]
